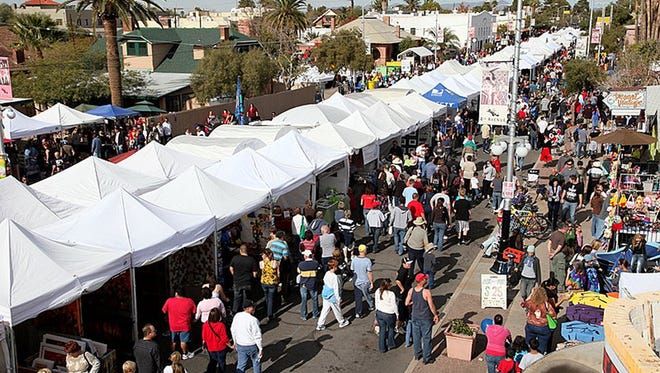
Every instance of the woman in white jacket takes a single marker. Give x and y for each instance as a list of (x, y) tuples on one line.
[(331, 296)]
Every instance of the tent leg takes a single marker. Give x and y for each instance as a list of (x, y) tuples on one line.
[(215, 250), (11, 354), (134, 309)]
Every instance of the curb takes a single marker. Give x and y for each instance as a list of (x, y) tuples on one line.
[(443, 315)]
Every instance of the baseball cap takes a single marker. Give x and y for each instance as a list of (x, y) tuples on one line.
[(421, 277), (307, 253), (531, 249), (362, 248)]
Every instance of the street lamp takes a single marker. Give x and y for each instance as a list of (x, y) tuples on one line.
[(9, 114)]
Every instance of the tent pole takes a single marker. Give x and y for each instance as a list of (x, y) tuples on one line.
[(134, 309), (215, 249), (12, 363)]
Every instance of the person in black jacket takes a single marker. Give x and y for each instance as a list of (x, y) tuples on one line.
[(529, 269), (147, 353)]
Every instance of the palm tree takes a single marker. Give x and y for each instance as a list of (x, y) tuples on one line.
[(287, 17), (411, 5), (35, 31), (110, 11), (448, 42)]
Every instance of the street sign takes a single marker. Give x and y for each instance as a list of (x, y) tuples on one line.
[(595, 36), (508, 189)]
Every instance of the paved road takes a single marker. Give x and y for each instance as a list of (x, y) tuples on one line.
[(293, 345)]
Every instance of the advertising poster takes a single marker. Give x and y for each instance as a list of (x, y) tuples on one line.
[(494, 99)]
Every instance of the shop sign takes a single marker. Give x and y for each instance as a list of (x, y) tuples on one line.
[(493, 291), (626, 100)]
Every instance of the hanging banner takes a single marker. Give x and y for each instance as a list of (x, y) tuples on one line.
[(494, 97), (595, 36), (5, 79)]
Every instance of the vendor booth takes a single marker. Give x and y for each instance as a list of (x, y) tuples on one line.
[(347, 105), (213, 148), (88, 181), (442, 95), (265, 133), (21, 126), (627, 108), (159, 161), (310, 115), (67, 117)]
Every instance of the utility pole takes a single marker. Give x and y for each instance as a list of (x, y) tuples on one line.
[(7, 113), (591, 20), (364, 40), (506, 213), (435, 52)]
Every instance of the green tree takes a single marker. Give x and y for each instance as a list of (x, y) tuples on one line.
[(636, 65), (487, 6), (502, 31), (343, 49), (287, 17), (546, 16), (580, 14), (582, 73), (35, 31), (432, 5), (69, 73), (406, 43), (217, 72), (257, 72), (246, 4), (6, 13), (379, 5), (110, 11), (448, 43), (411, 5), (613, 38)]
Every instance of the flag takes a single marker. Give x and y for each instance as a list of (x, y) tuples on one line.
[(239, 111)]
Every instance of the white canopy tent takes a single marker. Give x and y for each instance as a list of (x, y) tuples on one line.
[(22, 126), (452, 67), (31, 282), (385, 113), (339, 137), (88, 181), (362, 98), (265, 133), (295, 151), (310, 115), (347, 105), (162, 162), (314, 76), (197, 192), (30, 208), (130, 224), (417, 102), (213, 148), (420, 118), (370, 126), (455, 83), (254, 171), (388, 95), (66, 117)]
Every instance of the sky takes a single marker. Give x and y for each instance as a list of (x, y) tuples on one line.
[(228, 4)]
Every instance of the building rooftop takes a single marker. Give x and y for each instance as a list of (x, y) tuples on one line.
[(41, 3), (377, 31)]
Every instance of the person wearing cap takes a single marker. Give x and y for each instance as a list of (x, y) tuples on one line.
[(429, 264), (530, 272), (423, 316), (247, 338), (417, 239), (331, 296), (363, 281), (307, 274)]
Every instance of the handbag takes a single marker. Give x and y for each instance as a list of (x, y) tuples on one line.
[(552, 323)]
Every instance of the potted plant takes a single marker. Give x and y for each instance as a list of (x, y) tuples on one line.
[(460, 338)]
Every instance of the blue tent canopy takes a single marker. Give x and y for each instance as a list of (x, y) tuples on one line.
[(112, 112), (441, 95)]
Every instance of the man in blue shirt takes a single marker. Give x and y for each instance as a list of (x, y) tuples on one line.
[(96, 145)]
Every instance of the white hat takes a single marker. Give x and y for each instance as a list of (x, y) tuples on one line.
[(531, 249), (307, 253)]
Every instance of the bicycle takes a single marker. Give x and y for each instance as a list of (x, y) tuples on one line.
[(530, 222)]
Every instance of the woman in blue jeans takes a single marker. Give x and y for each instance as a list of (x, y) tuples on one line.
[(638, 248), (386, 314), (270, 277), (538, 308)]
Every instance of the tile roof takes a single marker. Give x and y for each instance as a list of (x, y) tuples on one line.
[(41, 3)]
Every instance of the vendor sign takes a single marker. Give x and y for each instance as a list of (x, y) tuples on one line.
[(626, 102), (5, 79)]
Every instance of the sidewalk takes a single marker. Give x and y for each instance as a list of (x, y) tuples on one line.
[(465, 304)]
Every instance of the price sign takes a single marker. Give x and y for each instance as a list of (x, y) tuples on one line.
[(493, 291)]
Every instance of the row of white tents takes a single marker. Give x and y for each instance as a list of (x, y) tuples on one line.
[(57, 118), (115, 217)]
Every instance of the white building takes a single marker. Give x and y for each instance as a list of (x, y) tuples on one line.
[(473, 29)]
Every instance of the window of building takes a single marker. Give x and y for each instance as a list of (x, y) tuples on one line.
[(86, 22), (413, 31), (136, 49), (58, 22)]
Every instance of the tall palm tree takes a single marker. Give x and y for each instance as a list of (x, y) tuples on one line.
[(110, 11), (287, 17), (411, 5), (448, 41), (35, 32)]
